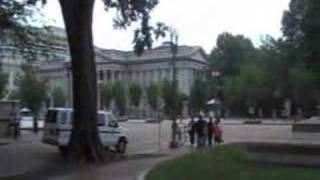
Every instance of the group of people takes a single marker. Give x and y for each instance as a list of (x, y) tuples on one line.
[(204, 133)]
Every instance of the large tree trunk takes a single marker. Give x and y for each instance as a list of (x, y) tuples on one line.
[(85, 142)]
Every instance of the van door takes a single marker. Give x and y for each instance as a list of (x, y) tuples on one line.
[(65, 127), (102, 128), (114, 129), (51, 128)]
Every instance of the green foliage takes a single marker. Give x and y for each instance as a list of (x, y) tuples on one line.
[(135, 92), (119, 95), (31, 90), (291, 22), (249, 86), (226, 163), (16, 13), (59, 99), (230, 52), (275, 72), (153, 93), (303, 86), (171, 99), (198, 96), (14, 95), (106, 94), (137, 11), (311, 30)]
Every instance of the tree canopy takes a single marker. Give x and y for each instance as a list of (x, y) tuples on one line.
[(106, 94), (31, 90), (135, 93), (153, 93), (59, 98), (119, 93)]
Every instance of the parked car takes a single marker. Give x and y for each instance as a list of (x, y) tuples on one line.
[(58, 126), (26, 118)]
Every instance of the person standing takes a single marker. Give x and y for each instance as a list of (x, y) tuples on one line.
[(217, 133), (192, 131), (210, 131), (200, 132)]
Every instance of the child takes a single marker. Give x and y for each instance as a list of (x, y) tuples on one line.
[(217, 133)]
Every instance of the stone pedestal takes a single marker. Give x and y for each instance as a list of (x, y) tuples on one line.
[(303, 149), (308, 129)]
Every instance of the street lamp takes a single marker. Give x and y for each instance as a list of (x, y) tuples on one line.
[(68, 73), (174, 50)]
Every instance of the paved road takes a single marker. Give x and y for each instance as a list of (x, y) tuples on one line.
[(29, 152), (144, 137)]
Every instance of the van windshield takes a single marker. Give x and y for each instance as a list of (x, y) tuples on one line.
[(112, 117), (51, 116)]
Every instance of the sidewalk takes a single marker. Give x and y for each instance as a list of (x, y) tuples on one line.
[(123, 170), (28, 158), (23, 155)]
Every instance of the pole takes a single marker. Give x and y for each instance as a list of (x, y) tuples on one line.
[(174, 50), (159, 133)]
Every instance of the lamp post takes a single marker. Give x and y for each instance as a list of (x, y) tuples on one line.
[(174, 51), (68, 73)]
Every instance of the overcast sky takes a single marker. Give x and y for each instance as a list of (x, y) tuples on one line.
[(198, 22)]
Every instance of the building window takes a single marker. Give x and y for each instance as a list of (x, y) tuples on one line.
[(116, 75), (101, 75), (108, 75)]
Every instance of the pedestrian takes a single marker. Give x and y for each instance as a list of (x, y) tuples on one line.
[(200, 132), (210, 131), (217, 116), (14, 124), (217, 133), (192, 130)]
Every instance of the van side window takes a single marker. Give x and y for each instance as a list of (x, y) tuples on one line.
[(71, 117), (64, 117), (51, 116), (112, 121), (101, 120)]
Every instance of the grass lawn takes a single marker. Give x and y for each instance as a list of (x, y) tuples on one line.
[(226, 163)]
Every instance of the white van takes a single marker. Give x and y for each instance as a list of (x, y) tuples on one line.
[(58, 126)]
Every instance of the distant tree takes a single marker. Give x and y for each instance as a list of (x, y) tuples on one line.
[(106, 94), (247, 89), (3, 83), (292, 20), (198, 96), (303, 86), (311, 30), (14, 95), (135, 93), (32, 92), (59, 99), (120, 98), (153, 94), (230, 53), (169, 96)]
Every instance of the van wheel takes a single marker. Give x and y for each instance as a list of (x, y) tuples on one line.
[(121, 146), (63, 150)]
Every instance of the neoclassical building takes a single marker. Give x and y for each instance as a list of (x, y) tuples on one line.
[(112, 65), (52, 48)]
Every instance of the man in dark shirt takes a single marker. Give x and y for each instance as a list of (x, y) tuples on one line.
[(210, 131), (200, 127)]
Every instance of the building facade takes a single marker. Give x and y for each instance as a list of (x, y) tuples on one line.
[(153, 66)]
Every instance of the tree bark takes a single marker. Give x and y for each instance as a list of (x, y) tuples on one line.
[(85, 143)]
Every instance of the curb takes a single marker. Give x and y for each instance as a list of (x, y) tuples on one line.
[(143, 174), (12, 175)]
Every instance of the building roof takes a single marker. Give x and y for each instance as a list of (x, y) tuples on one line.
[(56, 42), (157, 53)]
